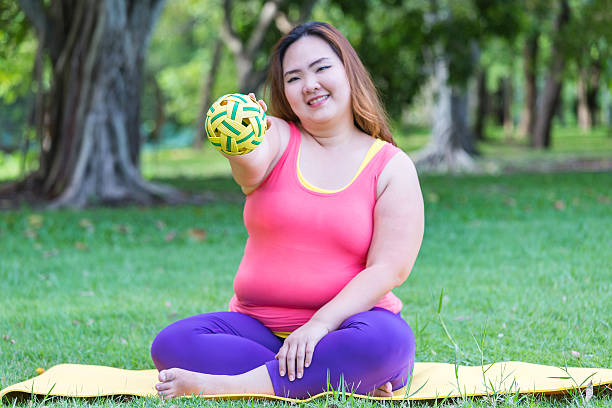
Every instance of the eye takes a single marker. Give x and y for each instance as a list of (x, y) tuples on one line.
[(323, 67), (292, 79)]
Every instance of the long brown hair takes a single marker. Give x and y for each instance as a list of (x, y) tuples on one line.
[(368, 113)]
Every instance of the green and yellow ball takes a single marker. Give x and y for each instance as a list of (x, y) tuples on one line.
[(235, 124)]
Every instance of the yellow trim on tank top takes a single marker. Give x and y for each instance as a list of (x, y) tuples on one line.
[(376, 146), (284, 335)]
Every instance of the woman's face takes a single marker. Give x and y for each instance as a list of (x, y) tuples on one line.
[(315, 82)]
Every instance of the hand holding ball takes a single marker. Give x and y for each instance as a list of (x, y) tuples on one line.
[(235, 124)]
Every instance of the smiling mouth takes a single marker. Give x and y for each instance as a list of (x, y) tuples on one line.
[(317, 100)]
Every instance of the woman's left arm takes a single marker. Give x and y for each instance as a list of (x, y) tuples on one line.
[(398, 232)]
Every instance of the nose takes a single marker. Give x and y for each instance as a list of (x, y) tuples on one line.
[(310, 84)]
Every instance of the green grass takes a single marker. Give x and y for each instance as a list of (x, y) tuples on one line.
[(523, 259)]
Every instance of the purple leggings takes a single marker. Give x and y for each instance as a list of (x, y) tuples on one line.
[(366, 351)]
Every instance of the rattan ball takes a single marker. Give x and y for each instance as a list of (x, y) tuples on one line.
[(235, 124)]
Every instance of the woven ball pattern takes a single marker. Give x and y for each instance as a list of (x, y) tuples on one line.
[(235, 124)]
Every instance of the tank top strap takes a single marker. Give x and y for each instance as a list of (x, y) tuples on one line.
[(381, 158)]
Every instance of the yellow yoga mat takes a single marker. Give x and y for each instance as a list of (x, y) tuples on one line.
[(430, 381)]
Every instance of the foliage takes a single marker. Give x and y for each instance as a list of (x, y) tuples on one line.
[(17, 49)]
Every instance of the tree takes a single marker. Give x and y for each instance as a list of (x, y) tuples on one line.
[(89, 119), (250, 39), (554, 81), (457, 29)]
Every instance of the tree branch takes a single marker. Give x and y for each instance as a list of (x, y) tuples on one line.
[(228, 35), (268, 12)]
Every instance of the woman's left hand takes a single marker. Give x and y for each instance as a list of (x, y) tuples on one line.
[(297, 350)]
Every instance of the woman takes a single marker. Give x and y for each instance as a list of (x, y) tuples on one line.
[(335, 219)]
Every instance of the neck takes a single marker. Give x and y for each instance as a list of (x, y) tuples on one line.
[(331, 134)]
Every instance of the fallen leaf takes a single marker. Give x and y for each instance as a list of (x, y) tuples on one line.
[(49, 254), (87, 293), (462, 318), (90, 322), (168, 304), (559, 205), (197, 233), (36, 221), (28, 233), (170, 236), (160, 224), (603, 199), (86, 223), (76, 322), (589, 392), (124, 229), (123, 341), (172, 315), (575, 354), (500, 335), (433, 197), (40, 370), (81, 246)]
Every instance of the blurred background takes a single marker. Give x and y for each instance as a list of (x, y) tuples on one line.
[(99, 97)]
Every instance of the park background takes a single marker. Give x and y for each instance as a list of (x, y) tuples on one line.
[(118, 218)]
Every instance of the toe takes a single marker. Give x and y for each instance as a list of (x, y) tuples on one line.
[(162, 386), (166, 375)]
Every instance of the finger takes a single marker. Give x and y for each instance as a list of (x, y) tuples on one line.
[(388, 387), (282, 360), (300, 357), (252, 96), (268, 124), (263, 105), (309, 353), (291, 361)]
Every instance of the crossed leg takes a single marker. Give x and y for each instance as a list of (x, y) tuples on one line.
[(231, 353)]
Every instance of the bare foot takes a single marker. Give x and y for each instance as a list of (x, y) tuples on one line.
[(176, 382), (382, 391)]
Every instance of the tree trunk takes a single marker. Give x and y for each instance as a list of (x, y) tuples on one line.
[(91, 138), (554, 82), (584, 113), (451, 140), (530, 55), (160, 111), (481, 108), (207, 94), (507, 107), (592, 90)]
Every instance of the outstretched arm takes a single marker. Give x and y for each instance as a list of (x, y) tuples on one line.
[(250, 169)]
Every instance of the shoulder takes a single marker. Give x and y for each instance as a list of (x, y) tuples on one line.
[(399, 175), (278, 135)]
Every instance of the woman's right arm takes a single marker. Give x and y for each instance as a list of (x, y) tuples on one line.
[(250, 169)]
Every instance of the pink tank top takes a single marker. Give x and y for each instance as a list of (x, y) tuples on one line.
[(305, 244)]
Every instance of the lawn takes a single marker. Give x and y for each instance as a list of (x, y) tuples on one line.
[(522, 259)]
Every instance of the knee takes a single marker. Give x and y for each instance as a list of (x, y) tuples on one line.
[(384, 337), (160, 348)]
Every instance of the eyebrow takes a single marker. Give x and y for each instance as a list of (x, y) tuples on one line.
[(309, 66)]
